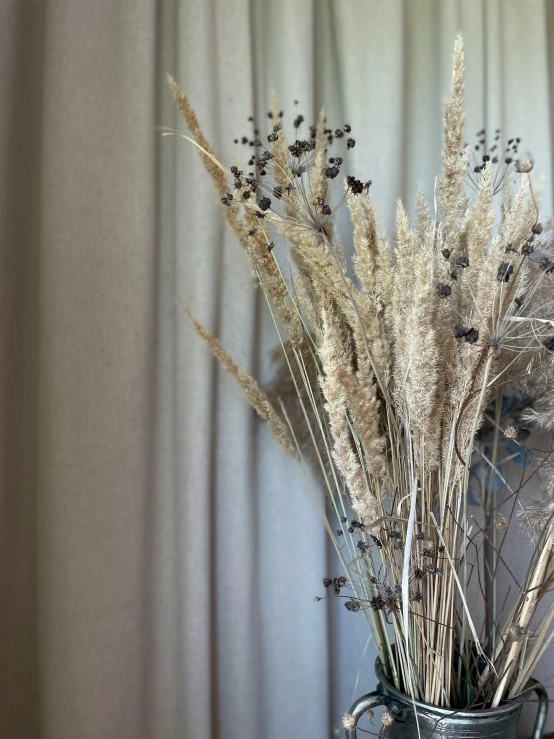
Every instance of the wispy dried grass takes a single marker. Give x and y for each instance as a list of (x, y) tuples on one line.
[(254, 395), (386, 380)]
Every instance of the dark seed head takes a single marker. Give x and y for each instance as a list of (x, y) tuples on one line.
[(549, 343), (462, 262), (332, 172), (377, 603), (264, 203), (356, 186), (504, 272), (353, 605), (443, 290), (446, 253), (472, 336)]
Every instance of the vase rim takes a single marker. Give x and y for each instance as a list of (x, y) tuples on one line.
[(505, 707)]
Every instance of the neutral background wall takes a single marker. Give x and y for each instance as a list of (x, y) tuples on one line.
[(159, 557)]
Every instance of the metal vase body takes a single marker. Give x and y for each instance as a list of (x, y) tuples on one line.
[(443, 723)]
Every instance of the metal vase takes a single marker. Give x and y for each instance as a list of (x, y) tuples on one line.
[(490, 723)]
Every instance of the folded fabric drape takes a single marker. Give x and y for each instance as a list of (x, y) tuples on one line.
[(159, 555)]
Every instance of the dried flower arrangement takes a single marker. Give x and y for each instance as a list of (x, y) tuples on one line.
[(399, 386)]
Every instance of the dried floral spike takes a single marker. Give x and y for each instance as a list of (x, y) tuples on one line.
[(255, 396)]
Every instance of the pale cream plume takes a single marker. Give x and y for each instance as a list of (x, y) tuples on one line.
[(451, 197), (255, 396), (318, 183), (334, 361)]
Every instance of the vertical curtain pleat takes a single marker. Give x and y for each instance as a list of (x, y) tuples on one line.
[(21, 84), (96, 286)]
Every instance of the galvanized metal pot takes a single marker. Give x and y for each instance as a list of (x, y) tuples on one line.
[(491, 723)]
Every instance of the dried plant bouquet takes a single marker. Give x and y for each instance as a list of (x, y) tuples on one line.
[(393, 384)]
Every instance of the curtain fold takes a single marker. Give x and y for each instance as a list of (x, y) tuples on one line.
[(160, 556)]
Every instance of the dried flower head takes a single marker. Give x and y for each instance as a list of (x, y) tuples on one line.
[(387, 718), (348, 721)]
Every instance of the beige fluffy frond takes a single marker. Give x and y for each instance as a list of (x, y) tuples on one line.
[(255, 396), (421, 361), (334, 360), (216, 172), (319, 180), (282, 169), (451, 198)]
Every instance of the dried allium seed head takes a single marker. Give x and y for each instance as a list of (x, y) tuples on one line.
[(387, 718), (348, 721), (510, 432), (526, 164), (501, 524)]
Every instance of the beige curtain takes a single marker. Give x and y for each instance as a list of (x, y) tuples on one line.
[(159, 556)]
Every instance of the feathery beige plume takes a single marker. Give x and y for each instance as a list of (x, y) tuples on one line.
[(255, 396), (451, 197), (193, 126), (334, 360), (318, 184), (282, 171)]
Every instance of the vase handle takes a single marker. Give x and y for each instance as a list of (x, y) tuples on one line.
[(541, 711), (366, 703)]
